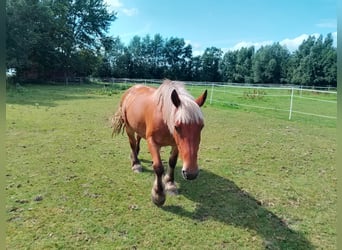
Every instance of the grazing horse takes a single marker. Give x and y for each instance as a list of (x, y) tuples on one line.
[(166, 116)]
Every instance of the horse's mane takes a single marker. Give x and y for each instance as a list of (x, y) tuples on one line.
[(188, 111)]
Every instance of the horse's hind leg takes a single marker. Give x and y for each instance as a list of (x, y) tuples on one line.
[(135, 147), (169, 179), (138, 144)]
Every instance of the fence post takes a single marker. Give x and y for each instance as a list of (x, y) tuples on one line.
[(211, 94), (291, 102)]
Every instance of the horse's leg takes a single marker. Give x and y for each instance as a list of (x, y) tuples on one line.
[(136, 166), (158, 194), (138, 144), (169, 179)]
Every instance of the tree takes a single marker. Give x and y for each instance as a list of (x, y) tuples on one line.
[(314, 63), (81, 24), (45, 35), (84, 62), (301, 64), (158, 57), (28, 34), (177, 56), (243, 69), (211, 64), (137, 58), (269, 64), (329, 61), (323, 59), (228, 66), (196, 68)]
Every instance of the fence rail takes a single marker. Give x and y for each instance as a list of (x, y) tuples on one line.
[(287, 98), (287, 92)]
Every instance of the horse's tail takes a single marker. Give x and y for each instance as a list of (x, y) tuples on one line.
[(118, 122)]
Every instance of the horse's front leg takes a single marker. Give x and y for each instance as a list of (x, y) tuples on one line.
[(169, 179), (158, 194)]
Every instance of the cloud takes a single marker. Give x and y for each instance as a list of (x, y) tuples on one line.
[(118, 6), (334, 34), (114, 4), (244, 44), (196, 47), (130, 12), (197, 52), (293, 44)]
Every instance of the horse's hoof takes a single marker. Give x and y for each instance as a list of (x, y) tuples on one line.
[(171, 188), (158, 199), (137, 168)]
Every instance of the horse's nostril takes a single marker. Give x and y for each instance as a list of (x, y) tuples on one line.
[(189, 176), (184, 174)]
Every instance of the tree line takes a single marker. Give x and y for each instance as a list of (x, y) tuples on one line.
[(47, 39), (313, 63)]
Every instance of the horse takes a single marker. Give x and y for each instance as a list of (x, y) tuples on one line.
[(163, 116)]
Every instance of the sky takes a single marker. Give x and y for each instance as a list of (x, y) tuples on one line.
[(225, 24)]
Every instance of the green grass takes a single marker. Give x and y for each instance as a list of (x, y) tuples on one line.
[(265, 182)]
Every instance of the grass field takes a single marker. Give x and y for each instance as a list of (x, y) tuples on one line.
[(306, 104), (265, 182)]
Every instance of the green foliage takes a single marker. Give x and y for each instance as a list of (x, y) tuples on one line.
[(269, 63), (177, 56), (210, 61), (28, 39), (314, 63), (57, 39), (45, 38), (236, 66)]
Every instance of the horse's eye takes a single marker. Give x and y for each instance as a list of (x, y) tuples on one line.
[(178, 129)]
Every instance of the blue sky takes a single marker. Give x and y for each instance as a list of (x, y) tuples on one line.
[(225, 24)]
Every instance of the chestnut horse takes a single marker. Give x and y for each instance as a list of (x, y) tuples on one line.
[(166, 116)]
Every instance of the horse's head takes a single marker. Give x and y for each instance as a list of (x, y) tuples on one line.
[(187, 131)]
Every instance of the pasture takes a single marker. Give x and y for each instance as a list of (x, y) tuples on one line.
[(265, 182)]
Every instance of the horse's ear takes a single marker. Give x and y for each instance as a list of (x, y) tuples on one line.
[(201, 99), (175, 98)]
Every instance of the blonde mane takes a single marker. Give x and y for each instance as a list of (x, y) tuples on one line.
[(188, 111)]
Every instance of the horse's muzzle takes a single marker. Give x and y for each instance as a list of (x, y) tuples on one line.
[(189, 175)]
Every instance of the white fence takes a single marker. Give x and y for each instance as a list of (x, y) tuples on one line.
[(290, 95), (308, 101)]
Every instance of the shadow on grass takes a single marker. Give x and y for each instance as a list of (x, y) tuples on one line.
[(147, 166), (222, 200)]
